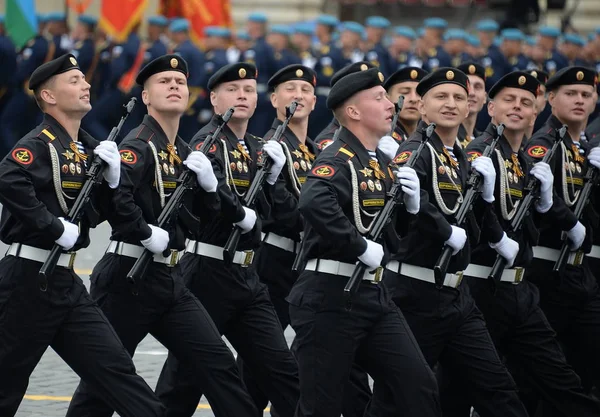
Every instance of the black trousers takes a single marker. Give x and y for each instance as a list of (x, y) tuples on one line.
[(242, 311), (67, 319), (167, 310), (274, 267), (451, 330), (523, 335), (374, 334)]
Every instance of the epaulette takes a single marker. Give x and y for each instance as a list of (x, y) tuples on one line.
[(46, 134), (344, 153)]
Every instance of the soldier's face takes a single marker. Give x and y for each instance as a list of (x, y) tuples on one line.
[(70, 93), (410, 109), (373, 110), (240, 94), (166, 92), (572, 103), (295, 90), (402, 43), (477, 94), (514, 107), (446, 105)]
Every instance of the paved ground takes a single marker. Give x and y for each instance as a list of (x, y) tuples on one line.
[(53, 382)]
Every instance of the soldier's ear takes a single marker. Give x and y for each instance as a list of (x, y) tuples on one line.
[(213, 98), (551, 98), (47, 96), (491, 107), (145, 98), (273, 100), (421, 107), (352, 112)]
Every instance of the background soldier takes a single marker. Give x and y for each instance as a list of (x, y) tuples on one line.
[(39, 179), (232, 294), (477, 99), (345, 189)]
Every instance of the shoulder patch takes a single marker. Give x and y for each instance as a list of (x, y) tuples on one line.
[(128, 156), (325, 171), (22, 155), (212, 149), (473, 155), (324, 143), (537, 151), (402, 157)]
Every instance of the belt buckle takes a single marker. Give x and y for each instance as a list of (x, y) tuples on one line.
[(519, 273), (71, 263), (578, 258), (459, 279), (173, 258), (248, 258), (378, 274)]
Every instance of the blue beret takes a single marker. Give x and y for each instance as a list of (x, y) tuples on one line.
[(304, 29), (435, 23), (405, 31), (257, 17), (377, 22), (512, 35), (217, 31), (1, 18), (420, 32), (353, 27), (179, 25), (497, 41), (530, 40), (41, 18), (55, 17), (281, 30), (473, 41), (549, 31), (598, 30), (88, 20), (591, 36), (158, 20), (574, 39), (327, 20), (242, 34), (487, 25), (457, 34)]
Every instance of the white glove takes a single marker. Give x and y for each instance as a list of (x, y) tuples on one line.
[(373, 255), (410, 186), (594, 157), (457, 239), (543, 173), (69, 236), (507, 248), (576, 236), (273, 149), (201, 166), (485, 167), (388, 146), (249, 220), (109, 153), (158, 240)]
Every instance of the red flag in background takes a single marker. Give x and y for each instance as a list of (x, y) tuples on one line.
[(79, 6), (118, 17), (200, 13)]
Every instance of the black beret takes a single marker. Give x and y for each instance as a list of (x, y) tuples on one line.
[(542, 76), (473, 68), (351, 84), (350, 69), (444, 75), (163, 63), (57, 66), (233, 72), (293, 72), (415, 74), (516, 79), (572, 75)]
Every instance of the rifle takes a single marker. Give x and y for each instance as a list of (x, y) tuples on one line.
[(187, 180), (398, 106), (384, 217), (592, 176), (94, 177), (533, 190), (472, 190), (264, 167)]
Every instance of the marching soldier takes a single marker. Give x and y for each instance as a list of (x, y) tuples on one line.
[(8, 56), (455, 44), (152, 158), (570, 299), (547, 40), (56, 26), (493, 59), (234, 297), (511, 47), (434, 55), (517, 324), (542, 109), (216, 41), (446, 322), (477, 99), (377, 54), (39, 181), (84, 49), (350, 38), (346, 187)]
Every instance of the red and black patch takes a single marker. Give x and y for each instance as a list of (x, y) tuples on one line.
[(128, 156), (473, 155), (22, 156), (324, 143), (324, 171), (402, 157), (212, 149), (537, 151)]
